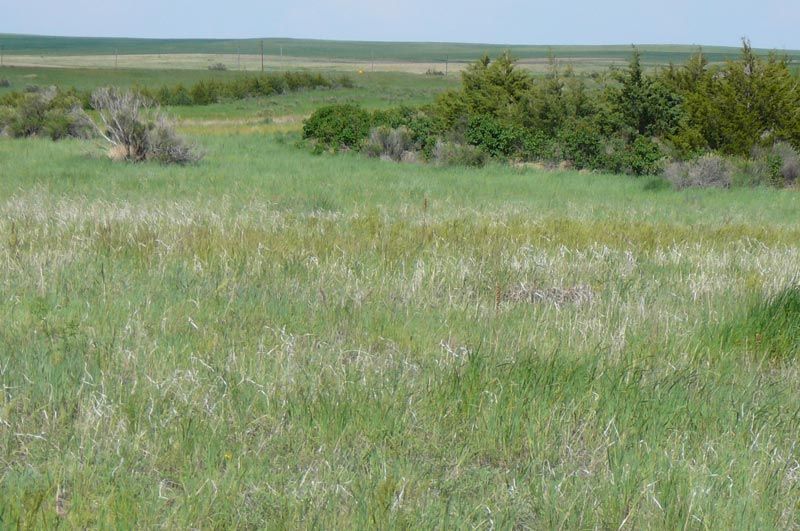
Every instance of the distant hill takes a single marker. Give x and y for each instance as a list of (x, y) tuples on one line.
[(351, 50)]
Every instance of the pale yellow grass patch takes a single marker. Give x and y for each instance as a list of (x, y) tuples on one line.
[(252, 63)]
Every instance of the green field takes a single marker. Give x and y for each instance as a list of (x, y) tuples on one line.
[(378, 90), (276, 339), (303, 51)]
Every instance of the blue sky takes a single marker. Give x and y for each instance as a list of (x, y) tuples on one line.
[(770, 24)]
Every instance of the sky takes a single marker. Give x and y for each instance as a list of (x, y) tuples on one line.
[(767, 23)]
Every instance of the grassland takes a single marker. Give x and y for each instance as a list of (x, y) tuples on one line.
[(346, 50), (277, 339), (73, 52)]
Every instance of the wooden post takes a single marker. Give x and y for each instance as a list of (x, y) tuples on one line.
[(446, 65), (262, 55), (116, 58)]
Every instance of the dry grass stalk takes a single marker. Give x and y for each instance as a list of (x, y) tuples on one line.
[(557, 296)]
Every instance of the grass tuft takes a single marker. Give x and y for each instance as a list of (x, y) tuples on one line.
[(770, 326)]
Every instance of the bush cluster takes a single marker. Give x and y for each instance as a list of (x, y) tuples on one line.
[(134, 129), (204, 92), (44, 112), (708, 171), (778, 165), (388, 143), (338, 126), (210, 91), (447, 153), (137, 132), (628, 122)]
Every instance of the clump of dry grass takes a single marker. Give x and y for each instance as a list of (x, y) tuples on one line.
[(118, 153), (558, 296)]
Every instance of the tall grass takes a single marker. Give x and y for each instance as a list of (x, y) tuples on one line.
[(276, 339)]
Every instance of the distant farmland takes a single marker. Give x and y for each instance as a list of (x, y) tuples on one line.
[(62, 51)]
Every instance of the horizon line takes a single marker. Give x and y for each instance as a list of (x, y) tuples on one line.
[(359, 41)]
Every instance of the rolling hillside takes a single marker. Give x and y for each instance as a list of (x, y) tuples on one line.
[(348, 50)]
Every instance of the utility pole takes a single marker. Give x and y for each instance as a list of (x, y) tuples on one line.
[(116, 58), (373, 61), (262, 55), (238, 57), (281, 53), (446, 64), (2, 49)]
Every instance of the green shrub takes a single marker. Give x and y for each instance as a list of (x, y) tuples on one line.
[(4, 83), (582, 144), (57, 124), (337, 126), (632, 125), (394, 117), (177, 95), (61, 123), (496, 88), (30, 116), (210, 91), (687, 143), (305, 80), (422, 127), (269, 85), (494, 139), (12, 99), (205, 93), (639, 156), (538, 146), (7, 115), (642, 105), (48, 112), (739, 105)]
